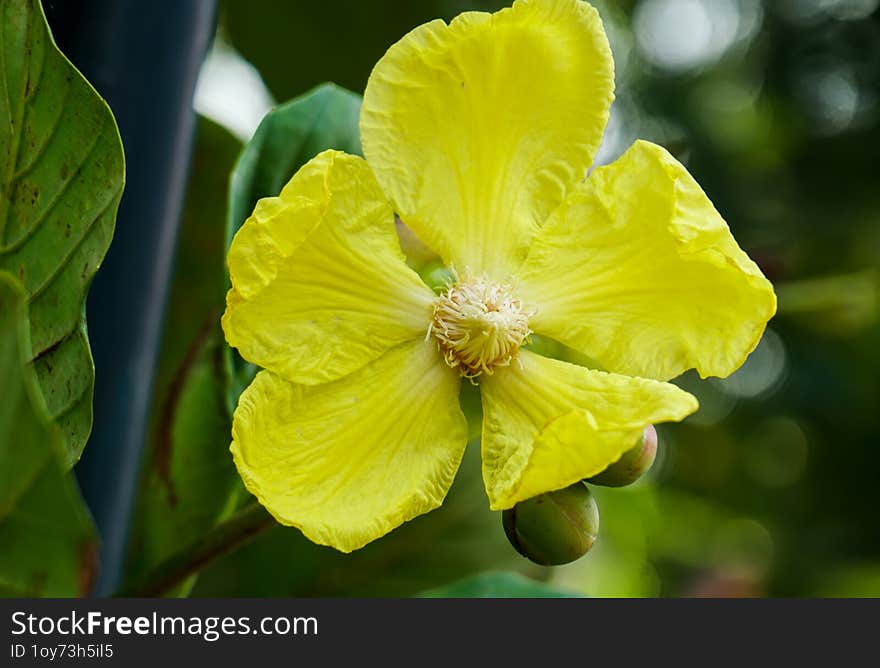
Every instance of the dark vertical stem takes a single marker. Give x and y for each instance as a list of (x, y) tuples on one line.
[(144, 58)]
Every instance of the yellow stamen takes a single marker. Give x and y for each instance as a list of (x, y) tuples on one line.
[(479, 325)]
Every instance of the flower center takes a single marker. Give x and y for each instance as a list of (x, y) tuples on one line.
[(479, 325)]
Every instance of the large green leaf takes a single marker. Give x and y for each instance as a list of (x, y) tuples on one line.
[(188, 476), (288, 137), (61, 179), (497, 585), (48, 540)]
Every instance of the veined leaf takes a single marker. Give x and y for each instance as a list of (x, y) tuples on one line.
[(49, 545), (61, 179)]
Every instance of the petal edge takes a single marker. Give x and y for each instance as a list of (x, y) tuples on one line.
[(666, 287)]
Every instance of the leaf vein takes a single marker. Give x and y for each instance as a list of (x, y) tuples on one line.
[(56, 123)]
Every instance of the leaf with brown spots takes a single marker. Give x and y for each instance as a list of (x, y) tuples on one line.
[(61, 179)]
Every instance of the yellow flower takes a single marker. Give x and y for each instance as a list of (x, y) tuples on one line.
[(479, 134)]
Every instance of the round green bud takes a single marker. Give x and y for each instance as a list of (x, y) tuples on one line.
[(632, 465), (554, 528)]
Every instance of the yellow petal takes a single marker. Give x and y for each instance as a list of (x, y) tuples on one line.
[(348, 461), (548, 424), (637, 270), (476, 129), (319, 284)]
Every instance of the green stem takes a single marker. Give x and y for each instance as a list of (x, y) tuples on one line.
[(241, 528)]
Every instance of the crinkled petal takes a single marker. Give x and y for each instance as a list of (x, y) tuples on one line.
[(476, 129), (348, 461), (548, 424), (319, 284), (637, 270)]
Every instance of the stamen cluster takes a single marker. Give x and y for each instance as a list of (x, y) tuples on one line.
[(479, 325)]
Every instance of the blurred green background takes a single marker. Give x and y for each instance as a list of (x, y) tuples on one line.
[(771, 489)]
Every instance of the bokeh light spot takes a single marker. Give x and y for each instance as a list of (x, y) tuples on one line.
[(681, 35), (762, 372)]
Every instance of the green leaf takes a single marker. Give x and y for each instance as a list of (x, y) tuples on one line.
[(61, 179), (289, 136), (189, 481), (49, 545), (497, 585)]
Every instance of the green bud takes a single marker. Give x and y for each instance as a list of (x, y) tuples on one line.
[(632, 465), (554, 528)]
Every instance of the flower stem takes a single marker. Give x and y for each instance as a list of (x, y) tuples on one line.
[(241, 528)]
